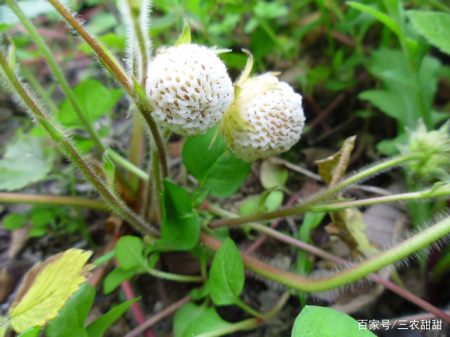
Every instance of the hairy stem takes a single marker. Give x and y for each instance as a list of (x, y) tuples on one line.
[(127, 165), (57, 72), (323, 195), (52, 200), (57, 134), (134, 12), (425, 194), (134, 89), (356, 272), (174, 277)]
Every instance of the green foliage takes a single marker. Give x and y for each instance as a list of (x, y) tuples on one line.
[(226, 279), (27, 160), (14, 221), (316, 321), (31, 8), (192, 320), (181, 225), (95, 99), (216, 168), (398, 98), (33, 332), (434, 26), (71, 321), (133, 257)]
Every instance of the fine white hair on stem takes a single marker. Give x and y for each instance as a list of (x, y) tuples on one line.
[(138, 47)]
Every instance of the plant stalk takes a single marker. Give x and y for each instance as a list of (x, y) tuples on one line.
[(320, 196), (133, 89), (53, 200), (57, 134), (57, 72), (356, 272)]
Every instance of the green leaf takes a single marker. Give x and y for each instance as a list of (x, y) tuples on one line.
[(27, 160), (398, 98), (316, 321), (434, 26), (181, 225), (95, 100), (192, 320), (33, 332), (115, 278), (13, 221), (31, 8), (70, 320), (227, 274), (273, 175), (216, 169), (270, 10), (98, 327), (130, 252)]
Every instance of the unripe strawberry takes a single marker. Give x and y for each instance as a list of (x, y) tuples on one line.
[(265, 119), (189, 88)]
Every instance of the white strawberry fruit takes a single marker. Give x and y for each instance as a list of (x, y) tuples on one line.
[(265, 119), (189, 88)]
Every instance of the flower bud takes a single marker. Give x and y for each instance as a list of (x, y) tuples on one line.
[(189, 88), (265, 119), (433, 152)]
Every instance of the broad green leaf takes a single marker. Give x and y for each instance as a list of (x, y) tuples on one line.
[(47, 287), (216, 168), (434, 26), (115, 278), (70, 320), (33, 332), (273, 175), (26, 160), (192, 320), (226, 274), (181, 225), (14, 221), (95, 100), (314, 321), (129, 252), (98, 327)]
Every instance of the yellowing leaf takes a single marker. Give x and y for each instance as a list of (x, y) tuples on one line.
[(47, 287), (3, 326)]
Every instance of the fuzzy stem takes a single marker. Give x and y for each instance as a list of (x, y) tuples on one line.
[(134, 90), (57, 134), (127, 165), (52, 200), (252, 323), (356, 272), (174, 277), (425, 194), (142, 46), (105, 56), (323, 195), (57, 72), (325, 255), (248, 324)]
